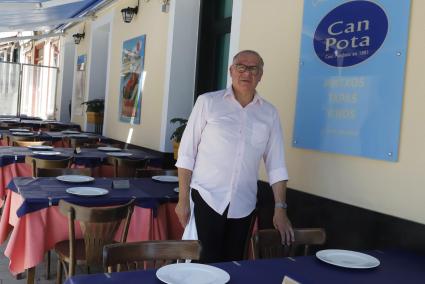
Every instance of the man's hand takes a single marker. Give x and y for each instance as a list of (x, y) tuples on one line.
[(280, 219), (283, 225), (183, 206), (183, 212)]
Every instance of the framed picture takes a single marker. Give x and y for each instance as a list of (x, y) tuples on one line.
[(132, 78), (81, 62)]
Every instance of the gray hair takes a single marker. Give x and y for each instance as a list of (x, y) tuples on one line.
[(247, 51)]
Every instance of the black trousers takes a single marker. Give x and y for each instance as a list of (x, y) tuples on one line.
[(222, 239)]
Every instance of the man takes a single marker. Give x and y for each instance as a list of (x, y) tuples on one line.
[(227, 134)]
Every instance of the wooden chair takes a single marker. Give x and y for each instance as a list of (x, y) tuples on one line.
[(64, 171), (54, 173), (37, 164), (268, 244), (126, 167), (11, 139), (8, 125), (56, 127), (142, 173), (31, 143), (39, 168), (152, 254), (99, 226), (83, 142), (74, 142)]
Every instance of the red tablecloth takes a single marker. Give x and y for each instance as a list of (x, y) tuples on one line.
[(33, 234)]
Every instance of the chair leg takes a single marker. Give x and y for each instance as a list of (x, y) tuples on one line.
[(48, 265), (59, 273), (31, 275)]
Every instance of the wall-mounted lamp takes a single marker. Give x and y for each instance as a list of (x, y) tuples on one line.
[(78, 37), (165, 6), (129, 12)]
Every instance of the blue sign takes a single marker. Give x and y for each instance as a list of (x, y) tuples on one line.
[(350, 33), (351, 77)]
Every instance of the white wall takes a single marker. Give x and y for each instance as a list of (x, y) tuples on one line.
[(67, 80), (180, 66), (99, 58)]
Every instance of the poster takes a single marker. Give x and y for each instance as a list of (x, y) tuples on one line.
[(351, 77), (132, 78), (80, 83)]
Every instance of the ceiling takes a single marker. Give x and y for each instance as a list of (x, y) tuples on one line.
[(33, 15)]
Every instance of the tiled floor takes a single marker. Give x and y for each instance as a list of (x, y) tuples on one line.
[(7, 278)]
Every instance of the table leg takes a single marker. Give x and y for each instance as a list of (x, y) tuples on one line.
[(31, 275)]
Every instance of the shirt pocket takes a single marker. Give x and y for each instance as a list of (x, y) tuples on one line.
[(259, 135)]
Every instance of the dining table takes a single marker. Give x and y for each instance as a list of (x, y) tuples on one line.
[(57, 138), (12, 161), (37, 122), (396, 266), (32, 224)]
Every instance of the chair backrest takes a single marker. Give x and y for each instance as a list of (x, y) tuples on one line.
[(126, 167), (11, 139), (148, 254), (83, 142), (31, 143), (60, 127), (73, 142), (63, 171), (99, 226), (268, 243), (142, 173), (37, 164), (7, 125)]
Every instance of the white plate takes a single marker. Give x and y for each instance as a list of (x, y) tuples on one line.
[(347, 258), (166, 178), (75, 178), (46, 153), (87, 191), (23, 133), (192, 273), (108, 149), (118, 154), (71, 132), (19, 130), (176, 189), (40, 147)]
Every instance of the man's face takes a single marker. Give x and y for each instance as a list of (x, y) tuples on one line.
[(246, 72)]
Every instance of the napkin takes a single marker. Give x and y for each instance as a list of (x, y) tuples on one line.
[(190, 232), (289, 280)]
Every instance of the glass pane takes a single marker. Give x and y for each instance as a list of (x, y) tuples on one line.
[(223, 56), (9, 88), (38, 91), (224, 9)]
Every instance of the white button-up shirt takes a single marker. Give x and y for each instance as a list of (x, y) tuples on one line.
[(223, 144)]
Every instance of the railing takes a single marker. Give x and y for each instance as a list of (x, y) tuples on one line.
[(27, 89)]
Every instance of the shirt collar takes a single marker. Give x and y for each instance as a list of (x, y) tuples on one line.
[(229, 93)]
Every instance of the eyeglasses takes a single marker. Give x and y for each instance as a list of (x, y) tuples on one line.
[(242, 68)]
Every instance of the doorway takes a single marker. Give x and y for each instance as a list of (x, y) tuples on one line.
[(98, 72), (213, 47), (67, 83)]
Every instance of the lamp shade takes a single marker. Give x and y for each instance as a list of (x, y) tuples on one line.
[(77, 37), (128, 13)]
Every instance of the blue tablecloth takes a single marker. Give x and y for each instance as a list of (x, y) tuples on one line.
[(396, 267), (40, 136), (41, 193), (60, 135), (88, 157)]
